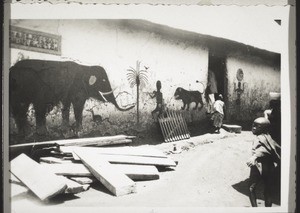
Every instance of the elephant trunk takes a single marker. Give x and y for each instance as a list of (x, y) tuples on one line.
[(111, 98)]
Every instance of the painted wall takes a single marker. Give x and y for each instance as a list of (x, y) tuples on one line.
[(259, 79), (95, 42)]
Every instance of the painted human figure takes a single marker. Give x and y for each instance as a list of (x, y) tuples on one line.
[(159, 99), (265, 155), (211, 90), (239, 89)]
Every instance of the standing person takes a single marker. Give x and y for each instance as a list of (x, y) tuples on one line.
[(262, 162), (211, 90), (159, 99), (218, 113)]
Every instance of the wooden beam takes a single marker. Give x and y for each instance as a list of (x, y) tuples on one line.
[(134, 172), (73, 187), (115, 181), (41, 182), (84, 180), (97, 141), (17, 189), (127, 150), (137, 160), (54, 160)]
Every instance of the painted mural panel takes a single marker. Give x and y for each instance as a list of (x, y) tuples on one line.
[(134, 61), (249, 83)]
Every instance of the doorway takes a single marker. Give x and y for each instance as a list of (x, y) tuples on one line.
[(217, 64)]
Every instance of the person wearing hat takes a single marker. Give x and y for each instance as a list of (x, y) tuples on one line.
[(265, 155)]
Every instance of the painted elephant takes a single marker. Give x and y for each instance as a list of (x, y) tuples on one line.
[(46, 83)]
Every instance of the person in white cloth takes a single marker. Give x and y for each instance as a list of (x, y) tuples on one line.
[(218, 114)]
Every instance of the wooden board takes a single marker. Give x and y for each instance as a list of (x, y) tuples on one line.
[(54, 160), (127, 150), (232, 128), (73, 187), (97, 141), (137, 160), (41, 182), (134, 172), (17, 189), (116, 182), (84, 180)]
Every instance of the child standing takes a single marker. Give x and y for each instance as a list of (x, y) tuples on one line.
[(218, 113), (264, 154)]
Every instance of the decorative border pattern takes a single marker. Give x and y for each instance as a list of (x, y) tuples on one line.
[(36, 41)]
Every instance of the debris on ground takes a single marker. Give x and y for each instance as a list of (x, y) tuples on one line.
[(72, 165)]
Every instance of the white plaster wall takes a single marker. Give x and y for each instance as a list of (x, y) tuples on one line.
[(259, 80), (93, 42)]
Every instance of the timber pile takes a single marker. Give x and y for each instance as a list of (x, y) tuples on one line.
[(74, 165), (173, 126)]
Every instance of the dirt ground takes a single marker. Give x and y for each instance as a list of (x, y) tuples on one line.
[(211, 172)]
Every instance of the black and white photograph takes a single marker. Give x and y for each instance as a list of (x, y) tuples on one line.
[(149, 108)]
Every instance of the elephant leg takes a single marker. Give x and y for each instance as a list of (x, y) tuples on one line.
[(197, 103), (183, 107), (19, 112), (78, 108), (40, 114), (65, 114)]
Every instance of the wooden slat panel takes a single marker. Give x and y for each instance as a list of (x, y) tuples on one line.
[(41, 182), (116, 182)]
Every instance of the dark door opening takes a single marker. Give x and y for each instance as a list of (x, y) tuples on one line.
[(217, 64)]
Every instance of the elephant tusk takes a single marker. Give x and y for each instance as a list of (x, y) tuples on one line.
[(106, 93), (102, 95)]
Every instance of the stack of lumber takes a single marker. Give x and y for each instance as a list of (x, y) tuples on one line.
[(76, 165)]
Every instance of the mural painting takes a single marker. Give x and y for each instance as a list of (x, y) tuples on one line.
[(159, 100), (137, 77), (239, 89), (47, 83), (188, 97), (35, 41)]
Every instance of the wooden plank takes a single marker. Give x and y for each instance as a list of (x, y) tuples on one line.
[(137, 160), (41, 182), (54, 160), (16, 186), (99, 141), (73, 187), (17, 189), (232, 128), (115, 181), (84, 180), (134, 172), (128, 150)]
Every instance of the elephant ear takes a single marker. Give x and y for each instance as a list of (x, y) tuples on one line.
[(92, 80)]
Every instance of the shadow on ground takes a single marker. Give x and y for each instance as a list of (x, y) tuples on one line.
[(243, 187)]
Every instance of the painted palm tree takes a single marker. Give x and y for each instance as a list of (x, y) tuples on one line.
[(137, 77)]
